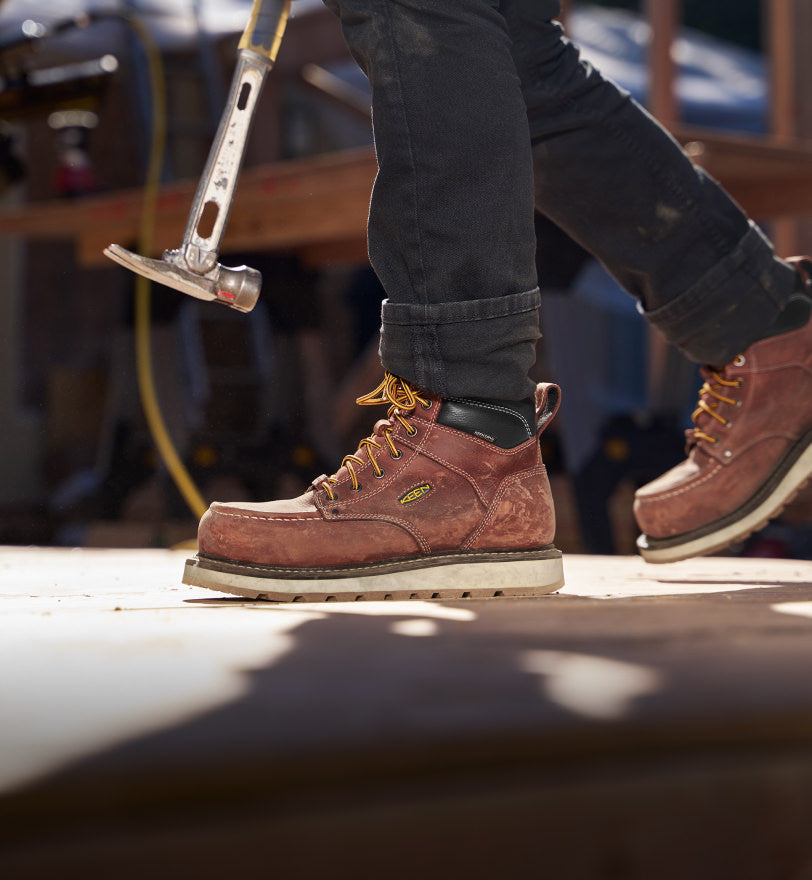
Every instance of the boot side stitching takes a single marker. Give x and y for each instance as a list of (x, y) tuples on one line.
[(774, 368), (471, 479), (500, 493), (383, 518), (393, 520), (743, 450)]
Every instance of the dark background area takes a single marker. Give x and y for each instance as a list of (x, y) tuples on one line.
[(738, 21)]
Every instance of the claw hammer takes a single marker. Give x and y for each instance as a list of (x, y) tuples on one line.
[(193, 267)]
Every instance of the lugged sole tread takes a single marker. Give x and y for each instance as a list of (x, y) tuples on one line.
[(540, 574)]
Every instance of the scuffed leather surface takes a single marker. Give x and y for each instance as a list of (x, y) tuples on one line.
[(521, 512)]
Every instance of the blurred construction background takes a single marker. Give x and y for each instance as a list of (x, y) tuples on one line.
[(260, 404)]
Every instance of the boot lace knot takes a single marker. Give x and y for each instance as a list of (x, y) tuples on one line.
[(402, 400)]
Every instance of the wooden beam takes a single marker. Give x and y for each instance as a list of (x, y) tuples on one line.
[(663, 17), (663, 20), (789, 29), (318, 206), (780, 15)]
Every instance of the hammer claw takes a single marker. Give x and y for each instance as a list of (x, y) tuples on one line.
[(236, 287)]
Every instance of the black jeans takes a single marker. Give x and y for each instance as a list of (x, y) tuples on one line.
[(482, 112)]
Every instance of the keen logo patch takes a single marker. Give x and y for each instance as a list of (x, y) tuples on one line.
[(415, 494)]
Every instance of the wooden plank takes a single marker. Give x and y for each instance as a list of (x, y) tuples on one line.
[(279, 206), (771, 178)]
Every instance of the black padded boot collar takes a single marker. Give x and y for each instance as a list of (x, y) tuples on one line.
[(798, 308), (796, 312), (505, 423)]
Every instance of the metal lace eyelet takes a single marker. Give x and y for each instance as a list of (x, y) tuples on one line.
[(739, 360), (426, 405), (411, 431), (335, 511), (355, 488), (396, 457), (381, 475)]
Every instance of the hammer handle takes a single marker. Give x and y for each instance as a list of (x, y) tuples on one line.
[(264, 31), (212, 202)]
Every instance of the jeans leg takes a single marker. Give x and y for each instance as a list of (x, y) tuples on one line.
[(608, 174), (451, 232)]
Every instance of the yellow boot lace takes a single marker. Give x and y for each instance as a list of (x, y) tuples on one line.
[(402, 400), (711, 394)]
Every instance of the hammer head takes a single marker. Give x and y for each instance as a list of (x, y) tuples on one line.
[(237, 287)]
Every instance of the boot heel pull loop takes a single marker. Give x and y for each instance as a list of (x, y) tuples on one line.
[(548, 399)]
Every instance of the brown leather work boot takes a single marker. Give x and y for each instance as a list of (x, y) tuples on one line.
[(750, 451), (446, 499)]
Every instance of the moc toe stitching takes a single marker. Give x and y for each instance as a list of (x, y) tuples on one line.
[(268, 517), (648, 504), (687, 486)]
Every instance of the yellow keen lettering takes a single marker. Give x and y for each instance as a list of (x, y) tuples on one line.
[(416, 493)]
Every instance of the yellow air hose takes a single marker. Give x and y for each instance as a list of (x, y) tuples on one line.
[(143, 349)]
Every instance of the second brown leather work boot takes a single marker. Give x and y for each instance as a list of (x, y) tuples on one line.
[(750, 451), (446, 499)]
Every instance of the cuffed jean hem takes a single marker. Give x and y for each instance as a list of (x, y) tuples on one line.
[(713, 321), (475, 348)]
